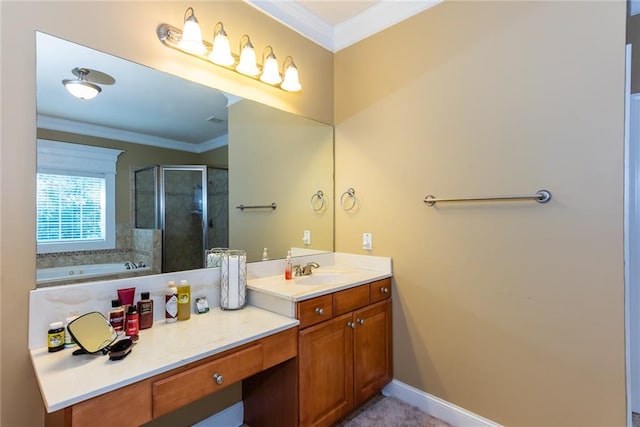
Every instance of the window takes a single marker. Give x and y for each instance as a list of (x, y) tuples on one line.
[(75, 197)]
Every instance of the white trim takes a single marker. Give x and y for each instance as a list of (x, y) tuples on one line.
[(435, 406), (231, 416), (376, 18), (81, 128), (631, 242), (299, 19), (382, 15)]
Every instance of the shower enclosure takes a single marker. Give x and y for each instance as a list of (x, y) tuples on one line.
[(189, 203)]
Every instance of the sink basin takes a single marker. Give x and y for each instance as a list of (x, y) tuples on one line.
[(322, 279)]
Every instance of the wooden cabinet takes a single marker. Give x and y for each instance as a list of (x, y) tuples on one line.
[(345, 356), (268, 365)]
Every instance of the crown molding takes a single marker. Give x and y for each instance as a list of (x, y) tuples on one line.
[(376, 18), (299, 19), (80, 128)]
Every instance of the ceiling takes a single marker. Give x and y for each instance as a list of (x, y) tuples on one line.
[(184, 115)]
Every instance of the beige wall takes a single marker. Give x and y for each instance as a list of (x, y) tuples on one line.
[(277, 157), (513, 311), (125, 29)]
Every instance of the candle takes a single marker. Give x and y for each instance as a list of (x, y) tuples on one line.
[(233, 291)]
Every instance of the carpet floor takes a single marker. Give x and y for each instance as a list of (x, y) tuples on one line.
[(390, 412)]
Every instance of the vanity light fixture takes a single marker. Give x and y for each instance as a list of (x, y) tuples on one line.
[(189, 40), (270, 73), (80, 87), (221, 51), (290, 72), (247, 63)]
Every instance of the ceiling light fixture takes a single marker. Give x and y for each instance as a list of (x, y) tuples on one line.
[(189, 40), (80, 87)]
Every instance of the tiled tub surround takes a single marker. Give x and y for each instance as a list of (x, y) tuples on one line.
[(131, 245), (65, 379)]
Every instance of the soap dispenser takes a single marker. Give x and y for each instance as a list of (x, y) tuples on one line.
[(288, 266)]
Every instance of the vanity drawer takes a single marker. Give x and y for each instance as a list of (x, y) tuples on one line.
[(314, 310), (350, 299), (380, 289), (178, 390)]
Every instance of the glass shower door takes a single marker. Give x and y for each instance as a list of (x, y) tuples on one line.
[(181, 209)]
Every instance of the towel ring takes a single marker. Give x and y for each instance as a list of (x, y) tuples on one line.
[(319, 195), (352, 194)]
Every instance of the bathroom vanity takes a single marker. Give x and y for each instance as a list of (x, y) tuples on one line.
[(308, 350)]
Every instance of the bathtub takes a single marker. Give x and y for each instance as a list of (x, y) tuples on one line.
[(58, 274)]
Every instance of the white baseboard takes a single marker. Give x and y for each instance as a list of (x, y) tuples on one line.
[(454, 415), (231, 416)]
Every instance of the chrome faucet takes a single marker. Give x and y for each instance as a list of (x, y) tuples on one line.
[(307, 269), (130, 265)]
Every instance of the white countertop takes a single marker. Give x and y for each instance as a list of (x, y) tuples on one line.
[(65, 379), (338, 277)]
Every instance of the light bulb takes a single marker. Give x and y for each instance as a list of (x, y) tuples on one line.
[(291, 82), (247, 63), (191, 40), (270, 74), (221, 52)]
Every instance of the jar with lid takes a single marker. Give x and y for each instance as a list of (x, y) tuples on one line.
[(55, 337)]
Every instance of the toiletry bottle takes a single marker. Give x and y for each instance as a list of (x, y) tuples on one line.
[(184, 300), (68, 339), (132, 327), (287, 266), (265, 255), (145, 311), (55, 337), (171, 303), (116, 316)]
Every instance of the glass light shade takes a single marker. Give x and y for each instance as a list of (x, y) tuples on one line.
[(270, 72), (191, 40), (82, 89), (221, 52), (247, 64), (291, 82)]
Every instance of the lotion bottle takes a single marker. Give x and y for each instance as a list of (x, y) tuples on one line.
[(287, 266), (184, 300), (145, 311), (132, 327), (171, 303)]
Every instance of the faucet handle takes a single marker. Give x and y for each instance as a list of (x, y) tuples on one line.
[(298, 270)]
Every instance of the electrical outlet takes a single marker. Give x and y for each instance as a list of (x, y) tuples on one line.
[(367, 241), (306, 237)]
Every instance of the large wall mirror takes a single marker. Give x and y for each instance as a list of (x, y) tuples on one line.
[(191, 169)]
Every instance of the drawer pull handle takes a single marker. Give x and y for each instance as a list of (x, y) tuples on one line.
[(384, 290), (351, 325), (219, 379), (360, 321), (319, 311)]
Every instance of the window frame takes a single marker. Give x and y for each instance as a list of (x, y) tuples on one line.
[(63, 158)]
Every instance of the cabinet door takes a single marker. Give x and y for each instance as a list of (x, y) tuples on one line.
[(372, 350), (326, 372)]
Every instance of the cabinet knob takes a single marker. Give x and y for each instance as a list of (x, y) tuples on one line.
[(360, 321), (384, 290), (319, 311), (351, 325), (219, 379)]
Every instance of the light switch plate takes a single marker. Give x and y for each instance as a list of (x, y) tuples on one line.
[(367, 241), (306, 237)]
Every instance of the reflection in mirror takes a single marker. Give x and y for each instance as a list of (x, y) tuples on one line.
[(189, 155), (92, 332)]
